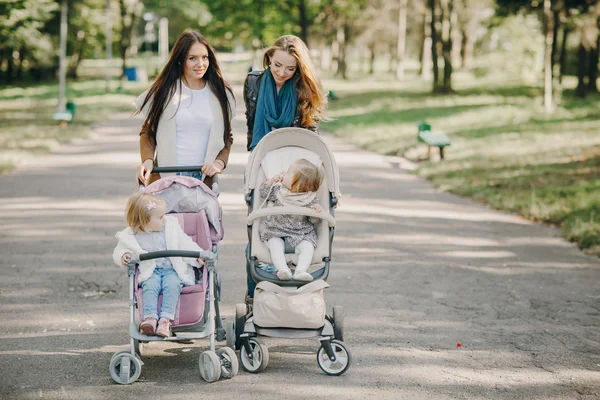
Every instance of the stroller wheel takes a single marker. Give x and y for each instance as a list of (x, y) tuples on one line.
[(229, 362), (230, 334), (125, 368), (338, 323), (210, 366), (240, 322), (342, 359), (260, 356)]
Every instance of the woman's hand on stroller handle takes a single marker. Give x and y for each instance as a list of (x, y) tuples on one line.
[(144, 171), (210, 169)]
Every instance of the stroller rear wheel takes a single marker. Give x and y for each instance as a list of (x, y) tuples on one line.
[(125, 368), (338, 323), (230, 335), (210, 366), (240, 321), (229, 362), (259, 359)]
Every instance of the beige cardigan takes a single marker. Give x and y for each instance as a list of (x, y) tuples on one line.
[(165, 153)]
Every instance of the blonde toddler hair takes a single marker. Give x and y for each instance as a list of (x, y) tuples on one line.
[(307, 176), (137, 213)]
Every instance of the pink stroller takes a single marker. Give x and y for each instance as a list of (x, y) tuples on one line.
[(197, 314)]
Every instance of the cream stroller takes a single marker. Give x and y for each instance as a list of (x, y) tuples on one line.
[(197, 314), (274, 154)]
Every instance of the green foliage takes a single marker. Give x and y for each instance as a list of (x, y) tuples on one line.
[(505, 151), (21, 29), (516, 47)]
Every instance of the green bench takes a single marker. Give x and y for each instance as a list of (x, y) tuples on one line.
[(67, 115), (431, 138)]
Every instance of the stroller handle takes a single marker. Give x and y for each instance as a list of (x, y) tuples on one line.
[(187, 168), (206, 255)]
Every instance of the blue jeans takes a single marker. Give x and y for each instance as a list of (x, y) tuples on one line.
[(250, 282), (195, 174), (167, 281)]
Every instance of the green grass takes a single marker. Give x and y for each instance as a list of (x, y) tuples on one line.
[(28, 128), (505, 150)]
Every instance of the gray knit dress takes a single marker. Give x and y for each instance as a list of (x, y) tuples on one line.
[(291, 228)]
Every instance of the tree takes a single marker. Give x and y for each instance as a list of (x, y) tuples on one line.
[(23, 40), (130, 16)]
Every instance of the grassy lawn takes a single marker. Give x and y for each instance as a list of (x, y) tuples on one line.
[(28, 128), (505, 151)]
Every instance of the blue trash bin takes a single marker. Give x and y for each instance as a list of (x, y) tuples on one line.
[(131, 74)]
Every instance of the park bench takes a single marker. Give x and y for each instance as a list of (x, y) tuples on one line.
[(67, 115), (431, 138)]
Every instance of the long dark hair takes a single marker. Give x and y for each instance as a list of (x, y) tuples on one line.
[(163, 89)]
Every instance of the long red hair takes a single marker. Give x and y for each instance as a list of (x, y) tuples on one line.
[(311, 99)]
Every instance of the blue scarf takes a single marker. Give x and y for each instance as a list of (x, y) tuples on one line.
[(273, 110)]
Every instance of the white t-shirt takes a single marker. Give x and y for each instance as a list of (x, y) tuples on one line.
[(193, 120)]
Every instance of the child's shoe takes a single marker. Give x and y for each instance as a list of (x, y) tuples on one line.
[(303, 276), (164, 328), (148, 326), (284, 274)]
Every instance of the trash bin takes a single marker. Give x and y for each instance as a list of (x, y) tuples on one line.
[(131, 74)]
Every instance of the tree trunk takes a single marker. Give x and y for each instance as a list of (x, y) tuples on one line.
[(549, 28), (19, 74), (434, 40), (341, 69), (447, 6), (76, 57), (372, 46), (303, 21), (128, 22), (401, 51), (562, 61), (124, 33), (426, 47), (582, 61), (593, 70), (594, 46), (10, 67)]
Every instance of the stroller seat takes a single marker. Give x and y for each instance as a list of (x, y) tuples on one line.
[(190, 308)]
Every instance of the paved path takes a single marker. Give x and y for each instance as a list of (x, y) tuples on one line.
[(417, 271)]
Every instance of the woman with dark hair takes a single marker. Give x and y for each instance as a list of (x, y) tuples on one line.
[(287, 93), (188, 112)]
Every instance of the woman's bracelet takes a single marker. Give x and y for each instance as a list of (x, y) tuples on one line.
[(221, 162)]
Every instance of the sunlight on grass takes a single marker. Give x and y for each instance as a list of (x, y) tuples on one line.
[(505, 151), (29, 129)]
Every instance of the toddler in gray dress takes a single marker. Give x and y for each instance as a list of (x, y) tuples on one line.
[(297, 187)]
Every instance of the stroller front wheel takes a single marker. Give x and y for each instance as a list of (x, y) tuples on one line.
[(258, 360), (229, 362), (125, 368), (342, 358), (210, 366)]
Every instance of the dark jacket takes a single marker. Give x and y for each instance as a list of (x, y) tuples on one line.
[(251, 88)]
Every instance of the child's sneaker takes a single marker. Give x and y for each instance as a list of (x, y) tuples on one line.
[(284, 274), (303, 276), (164, 328), (148, 326)]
